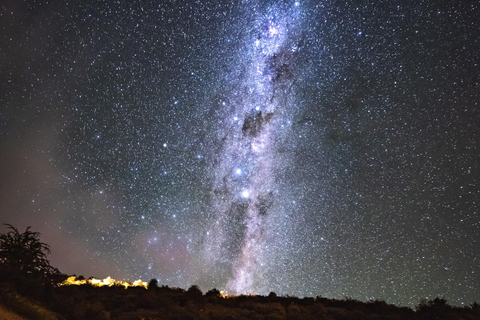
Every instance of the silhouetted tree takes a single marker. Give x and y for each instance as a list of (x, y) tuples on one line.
[(437, 303), (437, 309), (475, 307), (194, 293), (153, 284), (25, 253), (213, 293)]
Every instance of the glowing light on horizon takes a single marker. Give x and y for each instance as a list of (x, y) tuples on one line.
[(108, 281)]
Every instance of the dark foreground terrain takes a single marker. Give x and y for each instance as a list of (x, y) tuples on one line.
[(28, 299)]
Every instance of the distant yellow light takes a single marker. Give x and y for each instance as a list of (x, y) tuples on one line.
[(108, 281)]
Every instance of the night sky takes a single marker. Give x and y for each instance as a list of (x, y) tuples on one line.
[(310, 148)]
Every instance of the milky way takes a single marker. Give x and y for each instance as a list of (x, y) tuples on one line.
[(302, 147), (245, 188)]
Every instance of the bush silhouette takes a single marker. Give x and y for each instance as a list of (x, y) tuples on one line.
[(194, 293), (25, 253), (434, 309), (153, 284), (213, 293), (272, 296)]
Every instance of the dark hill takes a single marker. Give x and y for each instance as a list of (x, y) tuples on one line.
[(33, 300)]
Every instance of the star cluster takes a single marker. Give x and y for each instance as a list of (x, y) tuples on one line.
[(302, 147)]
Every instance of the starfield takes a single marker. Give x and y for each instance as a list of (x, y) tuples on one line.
[(310, 148)]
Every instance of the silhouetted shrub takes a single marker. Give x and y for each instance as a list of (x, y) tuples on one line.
[(307, 301), (194, 293), (25, 253), (437, 303), (212, 293), (434, 309), (272, 296), (153, 284)]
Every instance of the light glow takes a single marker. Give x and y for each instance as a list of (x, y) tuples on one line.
[(108, 281)]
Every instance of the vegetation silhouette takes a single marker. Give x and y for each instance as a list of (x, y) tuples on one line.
[(43, 300), (24, 252), (152, 284)]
